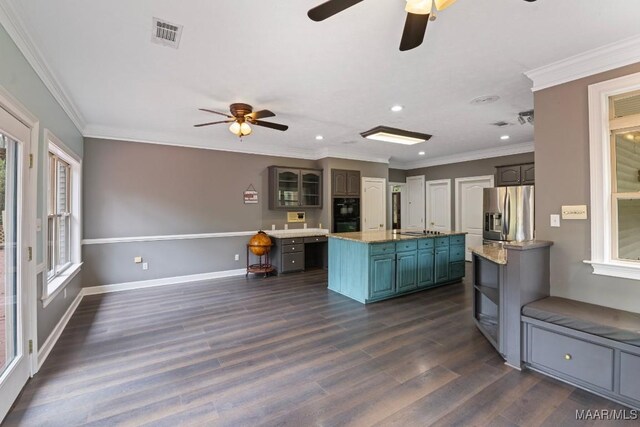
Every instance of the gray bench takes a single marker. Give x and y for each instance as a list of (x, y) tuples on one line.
[(595, 348)]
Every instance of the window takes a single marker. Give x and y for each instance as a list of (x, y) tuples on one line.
[(59, 217), (63, 217), (614, 108)]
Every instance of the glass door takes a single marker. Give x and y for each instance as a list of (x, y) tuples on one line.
[(311, 189), (14, 350), (288, 187)]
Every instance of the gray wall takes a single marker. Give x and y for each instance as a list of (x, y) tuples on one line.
[(562, 178), (468, 169), (21, 81), (397, 175), (134, 189)]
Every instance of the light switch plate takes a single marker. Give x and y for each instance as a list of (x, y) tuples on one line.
[(555, 220), (574, 212), (137, 259)]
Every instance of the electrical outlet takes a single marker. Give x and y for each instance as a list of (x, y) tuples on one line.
[(145, 265), (555, 220), (273, 226), (237, 257), (305, 226), (137, 259), (286, 226)]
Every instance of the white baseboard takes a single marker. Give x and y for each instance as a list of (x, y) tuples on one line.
[(94, 290), (43, 352)]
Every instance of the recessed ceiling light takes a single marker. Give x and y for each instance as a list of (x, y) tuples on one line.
[(319, 137), (396, 136), (422, 153), (397, 108), (504, 137)]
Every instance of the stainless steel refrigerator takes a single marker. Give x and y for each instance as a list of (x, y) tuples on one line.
[(508, 214)]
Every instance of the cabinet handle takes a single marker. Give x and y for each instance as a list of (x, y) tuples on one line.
[(567, 356), (293, 262), (293, 249)]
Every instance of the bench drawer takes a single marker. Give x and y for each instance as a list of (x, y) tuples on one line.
[(292, 262), (584, 361), (383, 248), (410, 245), (287, 249), (425, 243), (630, 376), (442, 242)]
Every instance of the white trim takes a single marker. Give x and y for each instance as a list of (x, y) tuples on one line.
[(600, 175), (53, 337), (108, 240), (428, 201), (488, 153), (40, 268), (609, 57), (58, 283), (142, 284), (16, 29)]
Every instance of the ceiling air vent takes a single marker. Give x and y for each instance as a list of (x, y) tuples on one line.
[(501, 124), (166, 33)]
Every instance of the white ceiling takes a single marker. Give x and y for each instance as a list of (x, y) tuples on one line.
[(336, 78)]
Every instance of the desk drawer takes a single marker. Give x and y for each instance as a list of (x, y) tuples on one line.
[(315, 239), (382, 248), (292, 262), (581, 360), (442, 242), (287, 249), (292, 241), (426, 243), (410, 245)]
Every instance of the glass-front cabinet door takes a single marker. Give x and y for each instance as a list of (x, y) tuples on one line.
[(311, 188), (288, 185)]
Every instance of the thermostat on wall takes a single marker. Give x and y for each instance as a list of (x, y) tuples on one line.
[(295, 217)]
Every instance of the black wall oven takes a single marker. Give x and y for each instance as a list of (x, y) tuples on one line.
[(346, 214)]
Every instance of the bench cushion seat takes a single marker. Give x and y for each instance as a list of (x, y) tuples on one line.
[(617, 325)]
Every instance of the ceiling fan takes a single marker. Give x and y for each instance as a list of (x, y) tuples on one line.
[(242, 115), (419, 13)]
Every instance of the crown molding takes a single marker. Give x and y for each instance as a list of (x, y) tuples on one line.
[(598, 60), (14, 26), (488, 153)]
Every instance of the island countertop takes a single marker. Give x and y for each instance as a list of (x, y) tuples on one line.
[(384, 236)]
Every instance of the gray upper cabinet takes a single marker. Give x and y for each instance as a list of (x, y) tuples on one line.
[(515, 175), (294, 188), (345, 183)]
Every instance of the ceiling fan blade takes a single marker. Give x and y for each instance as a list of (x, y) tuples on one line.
[(330, 8), (216, 112), (415, 28), (256, 115), (270, 125), (213, 123)]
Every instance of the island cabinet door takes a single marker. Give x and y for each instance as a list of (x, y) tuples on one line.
[(382, 276), (441, 265), (425, 268), (406, 265)]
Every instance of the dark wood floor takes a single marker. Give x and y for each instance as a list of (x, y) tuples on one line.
[(284, 351)]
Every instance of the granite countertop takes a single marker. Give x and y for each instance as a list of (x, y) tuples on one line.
[(386, 236), (498, 253), (305, 232)]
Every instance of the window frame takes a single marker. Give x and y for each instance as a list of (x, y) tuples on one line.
[(54, 284), (602, 168)]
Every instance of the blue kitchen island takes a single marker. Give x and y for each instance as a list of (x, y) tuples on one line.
[(372, 266)]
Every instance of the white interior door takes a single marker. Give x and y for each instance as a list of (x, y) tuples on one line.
[(469, 208), (416, 203), (374, 214), (438, 194), (15, 362)]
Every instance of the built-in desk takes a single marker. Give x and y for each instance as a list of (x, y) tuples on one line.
[(298, 250)]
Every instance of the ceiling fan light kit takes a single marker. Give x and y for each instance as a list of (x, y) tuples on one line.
[(242, 117)]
